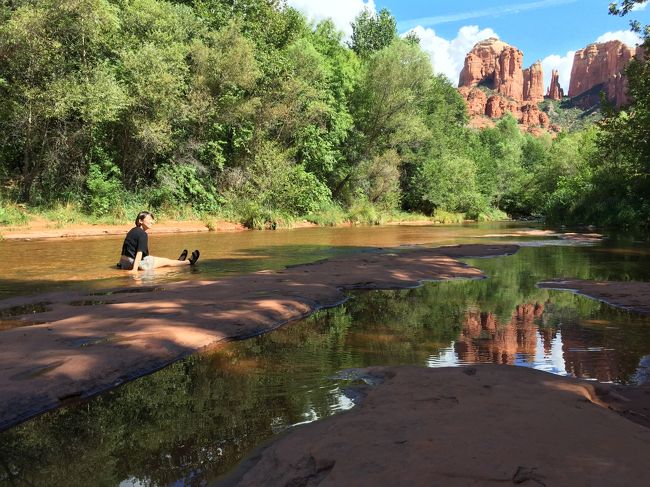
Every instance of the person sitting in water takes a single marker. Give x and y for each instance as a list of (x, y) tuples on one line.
[(135, 250)]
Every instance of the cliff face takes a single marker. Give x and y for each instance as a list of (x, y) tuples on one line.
[(495, 65), (555, 91), (599, 67), (475, 100), (509, 77)]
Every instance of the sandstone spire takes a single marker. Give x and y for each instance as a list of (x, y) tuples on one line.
[(555, 92), (534, 83)]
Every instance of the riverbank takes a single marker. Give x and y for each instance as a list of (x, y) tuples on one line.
[(462, 426), (72, 223), (66, 346), (41, 228)]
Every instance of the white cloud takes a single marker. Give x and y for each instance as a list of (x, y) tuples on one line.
[(448, 57), (342, 12), (626, 36), (639, 6), (563, 65)]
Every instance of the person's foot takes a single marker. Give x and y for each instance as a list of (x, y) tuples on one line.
[(183, 255), (195, 257)]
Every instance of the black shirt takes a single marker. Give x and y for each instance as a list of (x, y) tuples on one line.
[(136, 241)]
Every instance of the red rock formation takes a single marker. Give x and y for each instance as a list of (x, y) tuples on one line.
[(555, 92), (599, 67), (531, 116), (481, 63), (497, 106), (484, 339), (508, 77), (534, 83), (496, 65), (475, 100)]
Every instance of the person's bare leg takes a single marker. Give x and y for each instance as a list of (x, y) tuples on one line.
[(163, 262)]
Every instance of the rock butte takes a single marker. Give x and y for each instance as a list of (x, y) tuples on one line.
[(496, 65), (79, 344), (479, 425), (599, 67)]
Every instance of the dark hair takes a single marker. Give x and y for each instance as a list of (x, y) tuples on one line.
[(141, 216)]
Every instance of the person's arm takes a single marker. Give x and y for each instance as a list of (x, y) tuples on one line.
[(136, 261)]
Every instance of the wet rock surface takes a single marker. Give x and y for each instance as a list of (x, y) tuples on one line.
[(80, 344), (633, 296), (474, 425)]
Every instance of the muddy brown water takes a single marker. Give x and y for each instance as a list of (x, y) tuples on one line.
[(32, 266), (193, 421)]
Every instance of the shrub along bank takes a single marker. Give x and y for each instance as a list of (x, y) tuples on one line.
[(245, 110)]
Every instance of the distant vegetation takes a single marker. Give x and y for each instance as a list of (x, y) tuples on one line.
[(568, 116), (242, 109)]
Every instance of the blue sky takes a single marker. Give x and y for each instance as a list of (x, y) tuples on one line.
[(549, 30)]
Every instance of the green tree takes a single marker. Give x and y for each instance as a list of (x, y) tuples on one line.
[(59, 91), (371, 33), (445, 117), (622, 167), (452, 184), (499, 168), (623, 8), (387, 110)]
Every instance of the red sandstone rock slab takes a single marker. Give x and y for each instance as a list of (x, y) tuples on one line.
[(79, 344), (633, 296), (482, 425)]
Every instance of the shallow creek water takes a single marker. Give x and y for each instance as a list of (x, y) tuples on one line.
[(34, 266), (191, 422)]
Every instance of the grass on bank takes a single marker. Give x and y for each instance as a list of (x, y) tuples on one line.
[(250, 215)]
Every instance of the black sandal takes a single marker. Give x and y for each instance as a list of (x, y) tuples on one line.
[(183, 255), (195, 257)]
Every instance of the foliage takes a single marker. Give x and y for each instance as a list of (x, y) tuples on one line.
[(244, 109), (10, 214), (104, 186), (624, 7), (363, 212), (569, 117), (329, 215), (371, 33)]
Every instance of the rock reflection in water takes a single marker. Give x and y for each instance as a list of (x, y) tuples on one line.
[(572, 349), (484, 339)]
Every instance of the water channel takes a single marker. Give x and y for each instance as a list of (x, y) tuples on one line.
[(192, 422)]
